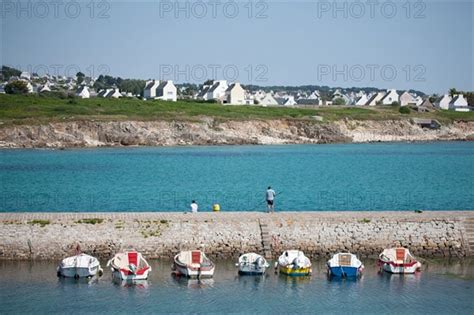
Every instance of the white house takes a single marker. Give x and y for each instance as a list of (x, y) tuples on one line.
[(407, 99), (267, 100), (44, 88), (217, 90), (289, 100), (149, 91), (235, 94), (390, 97), (459, 104), (362, 100), (314, 96), (166, 91), (375, 98), (160, 90), (83, 92), (444, 102), (110, 93)]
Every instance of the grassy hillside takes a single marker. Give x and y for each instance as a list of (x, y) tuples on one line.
[(33, 109)]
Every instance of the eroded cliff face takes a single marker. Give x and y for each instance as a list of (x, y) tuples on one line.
[(208, 131)]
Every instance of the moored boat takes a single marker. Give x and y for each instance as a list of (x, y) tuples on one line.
[(344, 265), (294, 263), (398, 260), (252, 264), (129, 266), (193, 264), (79, 266)]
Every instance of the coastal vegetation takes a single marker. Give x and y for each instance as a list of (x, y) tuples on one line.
[(37, 109), (41, 223), (90, 221)]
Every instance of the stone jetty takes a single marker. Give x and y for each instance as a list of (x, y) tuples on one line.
[(45, 236)]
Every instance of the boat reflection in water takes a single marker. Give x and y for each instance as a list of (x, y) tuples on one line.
[(193, 283), (141, 284), (78, 282)]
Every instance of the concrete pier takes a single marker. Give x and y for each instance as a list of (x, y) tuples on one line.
[(44, 236)]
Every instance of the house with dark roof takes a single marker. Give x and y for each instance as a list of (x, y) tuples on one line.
[(459, 103), (234, 94), (390, 97), (160, 90), (215, 91), (83, 92)]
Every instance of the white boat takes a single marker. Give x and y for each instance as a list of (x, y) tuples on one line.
[(79, 266), (193, 264), (252, 264), (344, 265), (398, 260), (129, 266), (294, 263)]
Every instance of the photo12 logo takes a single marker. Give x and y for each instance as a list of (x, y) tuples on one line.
[(359, 9), (63, 70), (200, 9), (57, 9), (201, 72), (370, 72)]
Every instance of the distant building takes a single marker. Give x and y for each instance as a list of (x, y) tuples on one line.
[(375, 99), (235, 94), (83, 92), (443, 102), (217, 90), (459, 103), (289, 100), (267, 100), (160, 90), (25, 76), (406, 99), (390, 97), (361, 100), (44, 88)]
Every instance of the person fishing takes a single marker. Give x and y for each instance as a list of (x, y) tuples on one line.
[(194, 207), (270, 197)]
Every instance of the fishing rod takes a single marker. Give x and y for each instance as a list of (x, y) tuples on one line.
[(264, 201)]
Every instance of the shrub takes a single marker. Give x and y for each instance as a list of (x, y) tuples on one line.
[(91, 221), (41, 223), (404, 110), (16, 87)]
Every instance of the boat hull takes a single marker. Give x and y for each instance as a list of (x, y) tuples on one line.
[(79, 272), (181, 270), (401, 268), (344, 271), (294, 271), (120, 275), (251, 270)]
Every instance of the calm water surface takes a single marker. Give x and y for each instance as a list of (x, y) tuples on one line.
[(441, 288), (399, 176)]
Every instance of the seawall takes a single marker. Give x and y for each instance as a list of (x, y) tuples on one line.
[(44, 236), (208, 131)]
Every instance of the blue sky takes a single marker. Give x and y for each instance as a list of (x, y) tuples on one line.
[(424, 45)]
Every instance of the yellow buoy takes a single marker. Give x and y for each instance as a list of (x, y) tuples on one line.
[(216, 207)]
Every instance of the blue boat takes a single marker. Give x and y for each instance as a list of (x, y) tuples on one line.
[(344, 265)]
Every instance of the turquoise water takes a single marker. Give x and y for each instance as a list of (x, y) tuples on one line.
[(400, 176), (441, 288)]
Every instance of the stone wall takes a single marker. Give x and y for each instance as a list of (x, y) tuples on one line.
[(226, 235)]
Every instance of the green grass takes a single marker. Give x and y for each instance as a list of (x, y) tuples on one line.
[(90, 221), (41, 223), (34, 109)]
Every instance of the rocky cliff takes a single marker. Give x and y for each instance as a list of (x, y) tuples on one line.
[(208, 131)]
